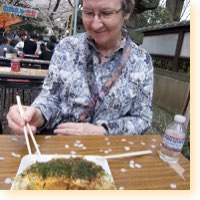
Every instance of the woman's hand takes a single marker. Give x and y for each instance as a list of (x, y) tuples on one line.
[(79, 129), (33, 116)]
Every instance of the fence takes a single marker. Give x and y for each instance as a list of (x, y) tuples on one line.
[(169, 46), (169, 43)]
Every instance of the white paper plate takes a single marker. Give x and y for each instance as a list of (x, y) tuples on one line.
[(31, 159)]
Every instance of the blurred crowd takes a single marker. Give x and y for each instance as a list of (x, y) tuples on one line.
[(22, 42)]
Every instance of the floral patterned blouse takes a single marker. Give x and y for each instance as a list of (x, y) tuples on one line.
[(76, 65)]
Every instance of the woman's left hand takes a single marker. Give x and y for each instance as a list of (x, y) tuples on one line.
[(79, 129)]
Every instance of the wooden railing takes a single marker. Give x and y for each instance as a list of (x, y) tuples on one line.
[(169, 43)]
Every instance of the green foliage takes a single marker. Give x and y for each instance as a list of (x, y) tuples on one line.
[(167, 64), (152, 18), (184, 66), (186, 147), (168, 11), (137, 37), (162, 63)]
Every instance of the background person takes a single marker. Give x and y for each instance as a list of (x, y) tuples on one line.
[(4, 44), (53, 39), (48, 52), (40, 45), (30, 45), (20, 44)]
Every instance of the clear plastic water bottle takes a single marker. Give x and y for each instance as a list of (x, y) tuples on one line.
[(173, 140)]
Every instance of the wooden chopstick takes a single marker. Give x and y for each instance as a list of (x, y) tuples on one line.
[(29, 128), (131, 154), (27, 140), (24, 128)]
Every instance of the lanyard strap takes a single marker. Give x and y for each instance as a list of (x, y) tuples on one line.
[(110, 81)]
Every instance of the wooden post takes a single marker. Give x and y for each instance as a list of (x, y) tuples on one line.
[(1, 129), (67, 26), (178, 51), (72, 21), (186, 110)]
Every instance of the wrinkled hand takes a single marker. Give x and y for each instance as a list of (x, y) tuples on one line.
[(79, 129), (32, 116)]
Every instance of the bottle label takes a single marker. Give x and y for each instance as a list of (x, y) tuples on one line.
[(172, 143)]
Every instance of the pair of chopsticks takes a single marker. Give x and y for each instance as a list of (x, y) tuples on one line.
[(27, 126), (131, 154)]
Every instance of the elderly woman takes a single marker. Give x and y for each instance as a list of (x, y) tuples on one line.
[(99, 82)]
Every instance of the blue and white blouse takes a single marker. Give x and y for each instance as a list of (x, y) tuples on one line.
[(66, 91)]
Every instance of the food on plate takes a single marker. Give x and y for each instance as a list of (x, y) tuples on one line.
[(64, 174)]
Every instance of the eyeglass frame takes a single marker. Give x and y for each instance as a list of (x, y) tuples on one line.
[(99, 14)]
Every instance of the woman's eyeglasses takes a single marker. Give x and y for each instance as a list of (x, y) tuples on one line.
[(104, 15)]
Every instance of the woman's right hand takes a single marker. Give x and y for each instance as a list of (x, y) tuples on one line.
[(33, 116)]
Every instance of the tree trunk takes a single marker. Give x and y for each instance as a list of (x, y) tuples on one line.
[(174, 9), (56, 6), (55, 9), (142, 5)]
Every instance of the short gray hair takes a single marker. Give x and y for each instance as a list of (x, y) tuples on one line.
[(128, 6)]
